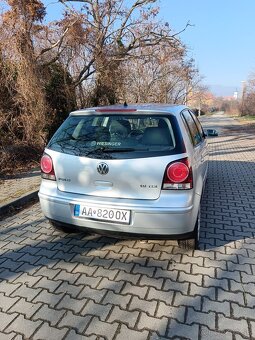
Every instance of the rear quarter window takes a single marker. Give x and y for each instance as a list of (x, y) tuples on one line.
[(195, 135), (198, 124)]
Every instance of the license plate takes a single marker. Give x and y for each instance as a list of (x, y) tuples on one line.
[(102, 214)]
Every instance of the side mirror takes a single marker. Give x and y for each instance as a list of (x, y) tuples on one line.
[(211, 133)]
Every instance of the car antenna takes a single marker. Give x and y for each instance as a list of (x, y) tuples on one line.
[(125, 104)]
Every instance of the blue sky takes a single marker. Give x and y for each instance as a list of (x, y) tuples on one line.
[(222, 40)]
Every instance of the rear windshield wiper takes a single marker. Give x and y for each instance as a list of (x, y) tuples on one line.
[(120, 150), (99, 151), (102, 150), (109, 150)]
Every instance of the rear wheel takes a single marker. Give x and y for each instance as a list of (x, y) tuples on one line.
[(193, 242)]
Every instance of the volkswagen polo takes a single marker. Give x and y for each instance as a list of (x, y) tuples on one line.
[(127, 170)]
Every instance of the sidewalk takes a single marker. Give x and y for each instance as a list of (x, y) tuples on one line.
[(16, 190)]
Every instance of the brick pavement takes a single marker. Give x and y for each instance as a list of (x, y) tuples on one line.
[(58, 286)]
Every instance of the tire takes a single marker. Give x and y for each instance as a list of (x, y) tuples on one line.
[(193, 242)]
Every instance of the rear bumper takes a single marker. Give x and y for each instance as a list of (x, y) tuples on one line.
[(124, 234), (162, 218)]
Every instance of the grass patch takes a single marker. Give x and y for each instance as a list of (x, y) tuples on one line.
[(251, 118), (246, 119)]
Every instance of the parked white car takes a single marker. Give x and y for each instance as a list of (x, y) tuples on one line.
[(134, 171)]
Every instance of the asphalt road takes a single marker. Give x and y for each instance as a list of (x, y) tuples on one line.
[(58, 286)]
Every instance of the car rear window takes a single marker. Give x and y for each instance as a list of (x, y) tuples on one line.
[(118, 136)]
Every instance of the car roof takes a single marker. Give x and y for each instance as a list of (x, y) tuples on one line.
[(131, 109)]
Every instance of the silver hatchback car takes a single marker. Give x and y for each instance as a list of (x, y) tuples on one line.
[(134, 171)]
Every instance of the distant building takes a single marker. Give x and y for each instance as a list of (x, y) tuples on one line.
[(235, 95)]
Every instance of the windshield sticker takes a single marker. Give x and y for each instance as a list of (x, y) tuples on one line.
[(109, 143)]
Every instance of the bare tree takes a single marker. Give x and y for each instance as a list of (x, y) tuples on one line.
[(247, 98), (102, 53), (164, 74), (19, 25), (103, 35)]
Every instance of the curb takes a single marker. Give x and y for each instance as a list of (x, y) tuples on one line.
[(18, 203)]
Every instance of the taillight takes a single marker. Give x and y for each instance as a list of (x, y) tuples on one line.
[(47, 169), (178, 175)]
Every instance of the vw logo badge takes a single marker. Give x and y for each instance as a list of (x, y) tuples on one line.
[(103, 168)]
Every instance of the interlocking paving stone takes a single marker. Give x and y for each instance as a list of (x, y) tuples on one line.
[(124, 317), (11, 336), (96, 309), (6, 319), (205, 292), (250, 300), (160, 295), (46, 332), (74, 305), (215, 306), (184, 300), (143, 305), (158, 263), (101, 328), (91, 293), (24, 307), (68, 277), (151, 282), (8, 288), (50, 285), (48, 298), (115, 286), (23, 326), (7, 302), (183, 330), (134, 290), (138, 269), (253, 329), (166, 274), (176, 286), (238, 326), (117, 299), (207, 334), (201, 318), (73, 335), (127, 267), (227, 296), (65, 287), (48, 314), (221, 282), (243, 312), (26, 292), (123, 276), (195, 278), (171, 312), (76, 322), (129, 334), (153, 324)]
